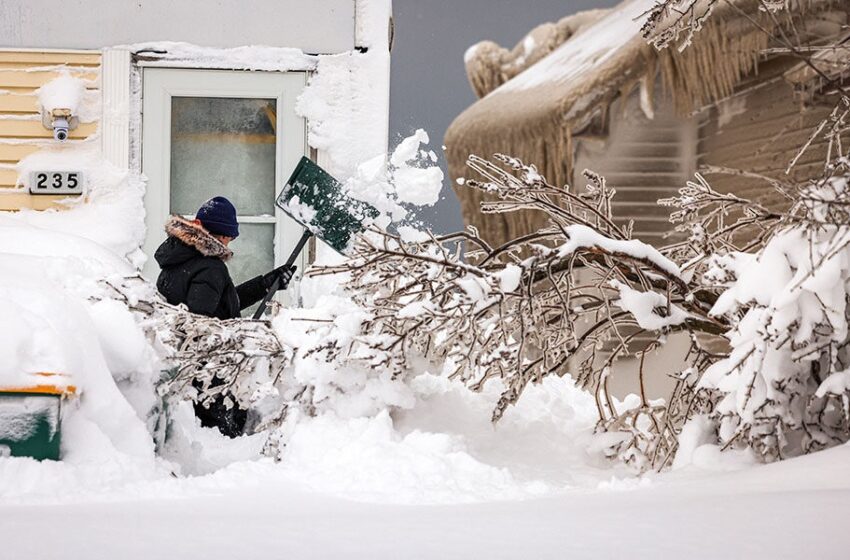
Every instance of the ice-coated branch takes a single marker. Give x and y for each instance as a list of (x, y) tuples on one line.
[(572, 298)]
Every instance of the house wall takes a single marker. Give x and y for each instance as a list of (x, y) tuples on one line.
[(644, 159), (760, 129), (22, 72), (317, 26)]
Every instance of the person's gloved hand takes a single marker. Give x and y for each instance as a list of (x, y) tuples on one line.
[(284, 273)]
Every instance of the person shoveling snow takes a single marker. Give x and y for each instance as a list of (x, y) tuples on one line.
[(194, 273), (193, 266)]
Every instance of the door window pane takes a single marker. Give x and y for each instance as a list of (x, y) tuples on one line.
[(253, 252), (223, 146)]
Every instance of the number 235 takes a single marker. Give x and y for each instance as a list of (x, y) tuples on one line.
[(56, 180)]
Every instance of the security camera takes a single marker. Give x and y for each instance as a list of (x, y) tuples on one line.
[(60, 129), (61, 121)]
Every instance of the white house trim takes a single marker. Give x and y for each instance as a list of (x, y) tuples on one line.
[(160, 84), (115, 95)]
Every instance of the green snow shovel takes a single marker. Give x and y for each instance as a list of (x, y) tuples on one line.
[(316, 200)]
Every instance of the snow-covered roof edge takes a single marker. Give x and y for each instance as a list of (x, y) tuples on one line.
[(488, 65), (534, 116)]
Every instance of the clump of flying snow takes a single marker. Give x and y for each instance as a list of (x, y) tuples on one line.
[(408, 148), (419, 185), (407, 177)]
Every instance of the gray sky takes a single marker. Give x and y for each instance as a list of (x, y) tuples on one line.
[(428, 84)]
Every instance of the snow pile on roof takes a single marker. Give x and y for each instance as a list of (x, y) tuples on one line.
[(590, 47), (488, 65)]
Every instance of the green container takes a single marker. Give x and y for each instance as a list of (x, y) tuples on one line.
[(322, 206), (30, 425)]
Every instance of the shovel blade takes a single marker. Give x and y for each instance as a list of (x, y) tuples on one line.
[(317, 201)]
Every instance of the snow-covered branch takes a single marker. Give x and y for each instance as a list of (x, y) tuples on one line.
[(572, 298)]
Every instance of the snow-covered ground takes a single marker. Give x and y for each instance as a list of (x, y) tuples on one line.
[(795, 509)]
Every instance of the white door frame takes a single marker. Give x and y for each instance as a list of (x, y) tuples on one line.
[(160, 85)]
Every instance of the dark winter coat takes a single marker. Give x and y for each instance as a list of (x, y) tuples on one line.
[(194, 273)]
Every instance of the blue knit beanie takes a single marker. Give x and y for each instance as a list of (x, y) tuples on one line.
[(218, 216)]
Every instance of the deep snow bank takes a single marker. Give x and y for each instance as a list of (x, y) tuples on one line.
[(50, 325)]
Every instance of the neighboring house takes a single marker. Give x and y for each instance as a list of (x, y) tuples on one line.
[(178, 94), (589, 93)]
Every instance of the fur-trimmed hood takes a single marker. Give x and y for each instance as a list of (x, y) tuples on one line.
[(197, 237)]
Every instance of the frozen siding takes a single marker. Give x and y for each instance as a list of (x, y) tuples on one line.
[(760, 130), (22, 72), (643, 159)]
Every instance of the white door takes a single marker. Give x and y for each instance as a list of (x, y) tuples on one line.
[(231, 133)]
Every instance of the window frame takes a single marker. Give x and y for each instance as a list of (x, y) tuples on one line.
[(160, 84)]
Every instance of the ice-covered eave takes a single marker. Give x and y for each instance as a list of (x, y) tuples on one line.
[(535, 115)]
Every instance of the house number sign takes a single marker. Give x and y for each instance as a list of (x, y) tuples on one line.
[(56, 182)]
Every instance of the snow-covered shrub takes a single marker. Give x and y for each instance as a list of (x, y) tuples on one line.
[(527, 310), (577, 296), (785, 387)]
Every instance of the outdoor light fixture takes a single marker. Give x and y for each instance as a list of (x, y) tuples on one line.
[(61, 121)]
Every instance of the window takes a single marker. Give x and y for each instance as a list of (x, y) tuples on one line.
[(234, 134)]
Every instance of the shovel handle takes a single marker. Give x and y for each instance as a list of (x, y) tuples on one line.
[(305, 237)]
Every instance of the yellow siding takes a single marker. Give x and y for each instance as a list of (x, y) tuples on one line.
[(11, 103), (20, 78), (21, 131), (13, 153), (31, 58), (8, 176), (14, 128), (12, 201)]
